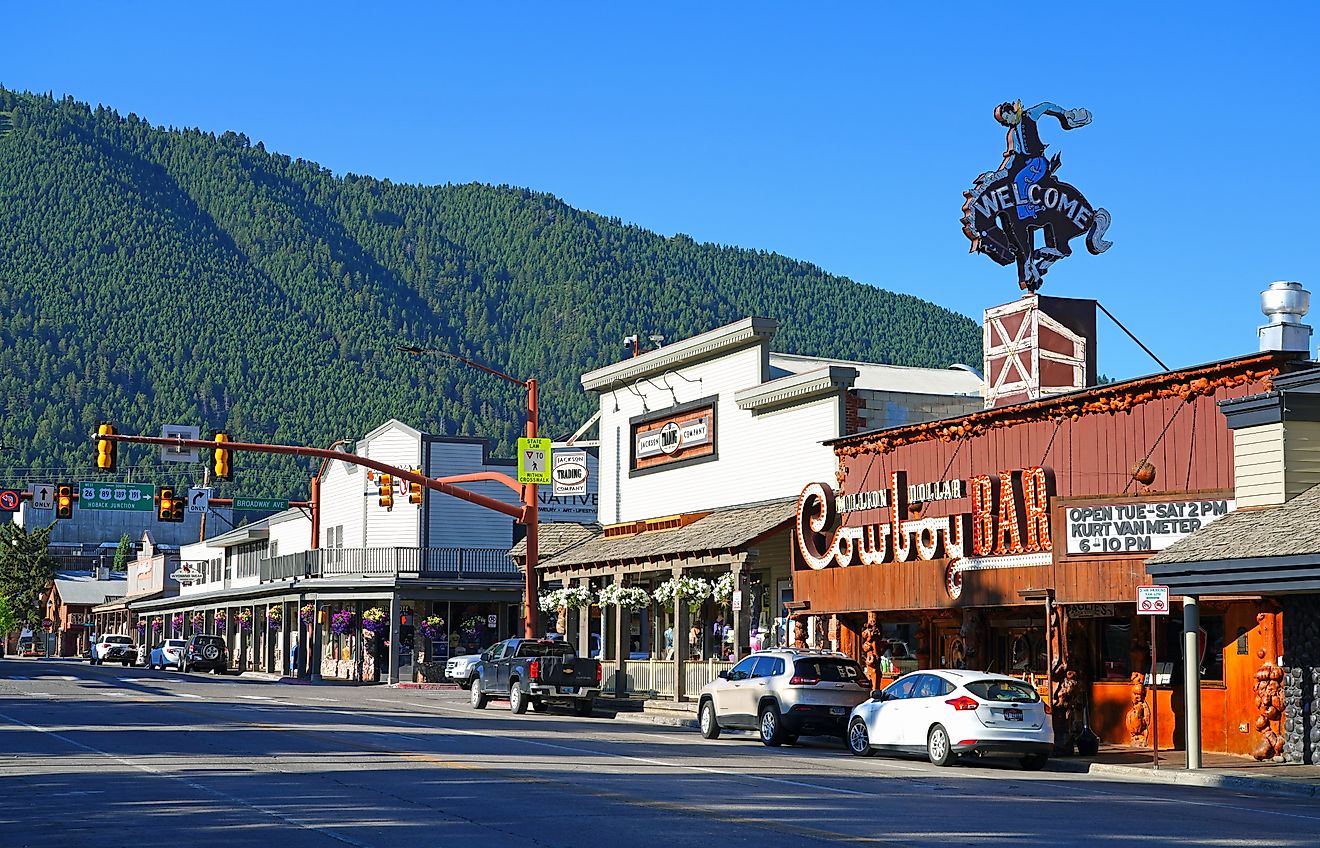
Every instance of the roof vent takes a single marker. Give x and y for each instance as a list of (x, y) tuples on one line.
[(1285, 303)]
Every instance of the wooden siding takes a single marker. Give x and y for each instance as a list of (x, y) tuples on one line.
[(1092, 457), (1301, 456), (1258, 464)]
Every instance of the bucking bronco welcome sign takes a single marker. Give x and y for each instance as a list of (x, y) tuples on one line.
[(1006, 209)]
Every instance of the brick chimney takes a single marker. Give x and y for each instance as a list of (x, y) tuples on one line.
[(1038, 346)]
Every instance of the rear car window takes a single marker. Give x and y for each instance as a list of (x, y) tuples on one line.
[(174, 643), (545, 649), (208, 640), (1003, 690), (828, 669), (117, 640)]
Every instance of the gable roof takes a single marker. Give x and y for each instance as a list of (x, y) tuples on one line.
[(1289, 529), (82, 587)]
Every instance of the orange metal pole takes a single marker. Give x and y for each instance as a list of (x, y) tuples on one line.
[(531, 588)]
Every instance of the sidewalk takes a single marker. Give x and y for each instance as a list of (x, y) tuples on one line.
[(1222, 771)]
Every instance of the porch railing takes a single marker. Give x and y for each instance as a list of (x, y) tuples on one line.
[(457, 563), (655, 678)]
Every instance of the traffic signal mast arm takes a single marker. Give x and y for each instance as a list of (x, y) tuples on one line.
[(444, 485)]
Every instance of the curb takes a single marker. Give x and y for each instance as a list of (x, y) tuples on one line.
[(446, 687), (661, 720), (1182, 777)]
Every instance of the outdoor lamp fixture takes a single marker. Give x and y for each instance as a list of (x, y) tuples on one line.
[(633, 388), (664, 386)]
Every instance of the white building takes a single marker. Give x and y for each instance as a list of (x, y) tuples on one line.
[(705, 445)]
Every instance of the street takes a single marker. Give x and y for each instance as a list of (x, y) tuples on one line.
[(112, 756)]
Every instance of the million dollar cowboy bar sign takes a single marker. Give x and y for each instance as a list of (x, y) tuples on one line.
[(1008, 524)]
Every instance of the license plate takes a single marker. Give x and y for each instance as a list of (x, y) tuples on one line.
[(836, 710), (568, 690), (1012, 714)]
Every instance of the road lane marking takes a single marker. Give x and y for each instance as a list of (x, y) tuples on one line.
[(255, 698), (276, 814), (185, 695)]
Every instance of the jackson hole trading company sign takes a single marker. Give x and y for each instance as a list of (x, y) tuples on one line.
[(1008, 525), (1005, 208)]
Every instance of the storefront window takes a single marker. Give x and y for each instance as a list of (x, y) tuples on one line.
[(1115, 650), (897, 647)]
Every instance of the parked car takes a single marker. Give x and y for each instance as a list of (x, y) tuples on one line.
[(113, 648), (539, 672), (946, 713), (462, 669), (204, 652), (169, 652), (782, 694)]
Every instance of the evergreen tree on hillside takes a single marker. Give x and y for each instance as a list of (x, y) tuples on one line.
[(159, 275)]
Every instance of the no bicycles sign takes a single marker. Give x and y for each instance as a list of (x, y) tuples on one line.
[(1152, 600)]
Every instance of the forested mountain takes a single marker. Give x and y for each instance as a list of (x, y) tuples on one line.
[(152, 276)]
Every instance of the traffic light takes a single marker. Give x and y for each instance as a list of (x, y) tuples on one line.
[(221, 467), (387, 491), (168, 507), (64, 501), (105, 450), (414, 493)]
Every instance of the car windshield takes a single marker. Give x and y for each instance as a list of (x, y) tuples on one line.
[(117, 640), (828, 669), (545, 649), (1003, 690)]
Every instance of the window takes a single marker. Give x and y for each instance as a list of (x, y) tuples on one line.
[(1115, 650), (1003, 690), (829, 670), (743, 670), (902, 688), (768, 667), (930, 686)]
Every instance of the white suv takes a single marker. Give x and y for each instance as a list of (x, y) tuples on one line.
[(784, 693), (112, 648)]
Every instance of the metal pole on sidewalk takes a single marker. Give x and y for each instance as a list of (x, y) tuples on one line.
[(1154, 696), (1192, 678)]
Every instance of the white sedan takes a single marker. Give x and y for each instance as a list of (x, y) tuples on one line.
[(945, 713), (169, 652)]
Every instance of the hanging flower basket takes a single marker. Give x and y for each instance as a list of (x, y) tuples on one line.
[(141, 627), (722, 591), (245, 620), (472, 628), (221, 620), (305, 613), (198, 622), (274, 617), (157, 625), (433, 628), (342, 622), (574, 597), (177, 621), (693, 591), (626, 597), (375, 620)]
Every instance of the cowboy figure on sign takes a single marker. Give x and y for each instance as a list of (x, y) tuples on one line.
[(1005, 209)]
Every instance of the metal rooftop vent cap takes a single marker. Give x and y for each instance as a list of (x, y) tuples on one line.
[(1285, 302)]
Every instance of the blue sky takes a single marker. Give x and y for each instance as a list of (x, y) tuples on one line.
[(839, 134)]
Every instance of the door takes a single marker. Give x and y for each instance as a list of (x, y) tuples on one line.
[(494, 673), (758, 685), (732, 695), (924, 708), (885, 727)]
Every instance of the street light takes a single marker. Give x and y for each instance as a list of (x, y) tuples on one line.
[(530, 519)]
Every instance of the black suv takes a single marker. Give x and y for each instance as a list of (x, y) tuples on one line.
[(205, 653)]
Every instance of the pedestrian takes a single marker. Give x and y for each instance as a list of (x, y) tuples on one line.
[(669, 642)]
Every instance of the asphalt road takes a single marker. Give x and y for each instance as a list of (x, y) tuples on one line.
[(109, 756)]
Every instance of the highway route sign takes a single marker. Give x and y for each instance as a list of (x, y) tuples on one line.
[(43, 496), (199, 499), (1152, 600), (534, 461), (120, 497), (10, 500)]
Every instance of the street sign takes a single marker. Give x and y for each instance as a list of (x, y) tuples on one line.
[(10, 499), (492, 621), (737, 600), (1152, 600), (260, 503), (569, 470), (199, 499), (179, 431), (121, 497), (43, 496), (534, 461)]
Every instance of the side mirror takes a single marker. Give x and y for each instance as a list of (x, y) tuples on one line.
[(723, 675), (877, 695)]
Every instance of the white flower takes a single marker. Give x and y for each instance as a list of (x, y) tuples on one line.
[(723, 590), (570, 598), (628, 597)]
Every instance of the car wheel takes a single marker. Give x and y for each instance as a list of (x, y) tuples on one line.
[(584, 706), (859, 741), (772, 727), (517, 699), (1034, 762), (183, 668), (479, 700), (710, 726), (465, 684), (938, 746), (540, 706)]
